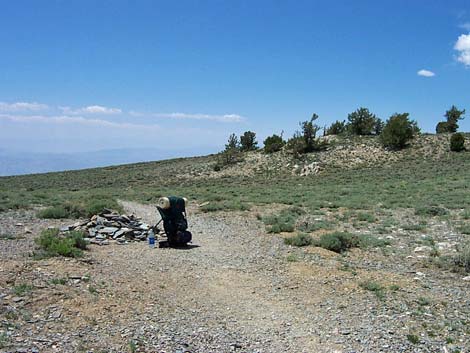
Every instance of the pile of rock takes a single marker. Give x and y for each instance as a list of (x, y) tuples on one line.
[(111, 225)]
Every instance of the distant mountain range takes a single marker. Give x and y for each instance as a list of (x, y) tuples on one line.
[(17, 163)]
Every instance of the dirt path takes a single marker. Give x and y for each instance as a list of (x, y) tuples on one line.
[(224, 294)]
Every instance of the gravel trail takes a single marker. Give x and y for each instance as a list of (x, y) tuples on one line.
[(223, 294)]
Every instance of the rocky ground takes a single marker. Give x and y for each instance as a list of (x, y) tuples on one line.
[(236, 289), (341, 153)]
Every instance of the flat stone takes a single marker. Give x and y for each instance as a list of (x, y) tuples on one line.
[(144, 226), (422, 249), (109, 230), (119, 233), (100, 220)]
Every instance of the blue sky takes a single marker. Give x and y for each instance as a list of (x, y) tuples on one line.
[(89, 75)]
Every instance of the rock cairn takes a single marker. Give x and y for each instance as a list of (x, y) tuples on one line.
[(109, 225)]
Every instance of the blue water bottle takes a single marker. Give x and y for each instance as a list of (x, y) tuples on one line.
[(151, 238)]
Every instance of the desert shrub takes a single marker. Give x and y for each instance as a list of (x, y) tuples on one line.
[(457, 142), (340, 242), (248, 141), (66, 210), (362, 122), (366, 217), (413, 338), (465, 229), (337, 128), (55, 212), (374, 287), (52, 243), (78, 240), (22, 289), (287, 227), (462, 259), (97, 205), (284, 221), (431, 211), (398, 131), (300, 239), (273, 143), (89, 208)]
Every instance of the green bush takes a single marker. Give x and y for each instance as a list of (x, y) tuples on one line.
[(78, 240), (374, 287), (300, 239), (398, 131), (22, 289), (97, 205), (340, 242), (366, 217), (55, 212), (431, 211), (52, 243), (66, 210), (284, 221), (462, 259), (75, 210), (457, 142), (413, 338), (273, 143)]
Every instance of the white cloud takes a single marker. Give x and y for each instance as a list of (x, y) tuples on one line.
[(463, 47), (21, 106), (63, 119), (426, 73), (226, 118), (91, 109)]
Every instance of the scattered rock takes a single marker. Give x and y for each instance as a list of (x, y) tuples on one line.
[(422, 249)]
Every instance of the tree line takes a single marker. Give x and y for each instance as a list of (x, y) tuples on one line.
[(395, 133)]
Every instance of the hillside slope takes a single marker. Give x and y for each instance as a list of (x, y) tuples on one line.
[(333, 175)]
